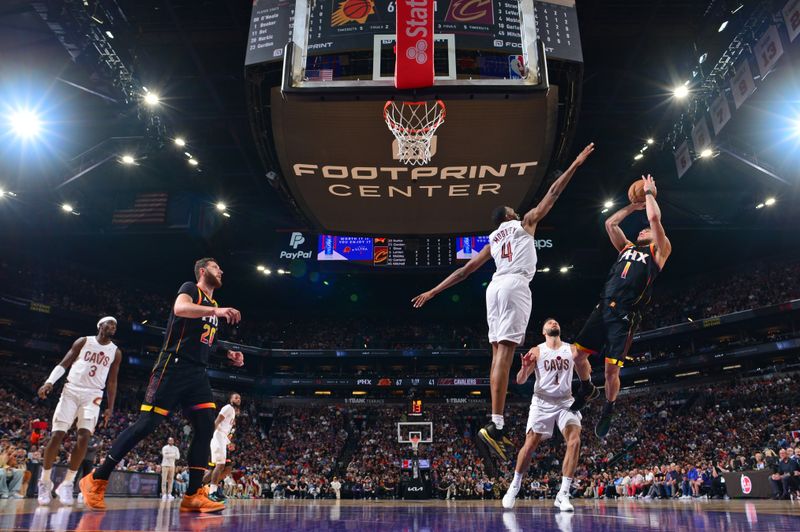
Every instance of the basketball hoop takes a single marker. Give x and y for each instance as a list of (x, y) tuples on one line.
[(414, 443), (413, 124)]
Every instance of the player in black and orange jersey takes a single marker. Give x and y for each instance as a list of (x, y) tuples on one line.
[(178, 379), (627, 291)]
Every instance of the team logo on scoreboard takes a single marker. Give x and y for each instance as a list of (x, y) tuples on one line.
[(353, 11), (471, 11)]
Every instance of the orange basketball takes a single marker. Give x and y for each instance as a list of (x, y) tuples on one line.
[(357, 9), (636, 192)]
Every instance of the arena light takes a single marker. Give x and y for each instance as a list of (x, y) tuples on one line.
[(151, 99), (25, 123), (322, 392), (726, 368), (475, 392), (193, 162), (608, 204), (546, 269), (180, 142), (260, 267), (326, 283), (127, 159), (66, 207), (769, 202), (681, 92), (638, 157), (109, 34), (687, 374), (706, 153), (221, 207), (703, 58), (722, 27), (651, 141), (760, 206), (604, 211), (226, 214), (737, 9), (564, 269), (641, 381), (359, 392), (267, 271)]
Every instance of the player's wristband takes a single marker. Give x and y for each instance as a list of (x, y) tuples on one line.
[(649, 193), (56, 374)]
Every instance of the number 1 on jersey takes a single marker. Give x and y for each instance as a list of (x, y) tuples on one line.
[(505, 252)]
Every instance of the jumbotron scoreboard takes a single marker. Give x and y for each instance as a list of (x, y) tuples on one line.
[(348, 25)]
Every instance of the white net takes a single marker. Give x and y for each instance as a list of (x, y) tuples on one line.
[(413, 124)]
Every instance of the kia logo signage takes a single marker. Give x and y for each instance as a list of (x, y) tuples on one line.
[(415, 488)]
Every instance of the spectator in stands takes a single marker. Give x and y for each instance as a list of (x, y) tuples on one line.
[(11, 476), (759, 462), (336, 486), (785, 476)]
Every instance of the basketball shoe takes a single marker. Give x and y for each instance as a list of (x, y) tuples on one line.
[(494, 439), (587, 392), (604, 423), (199, 502), (562, 502), (93, 491)]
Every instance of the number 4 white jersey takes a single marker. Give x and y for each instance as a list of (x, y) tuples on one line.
[(554, 372), (513, 250), (90, 369)]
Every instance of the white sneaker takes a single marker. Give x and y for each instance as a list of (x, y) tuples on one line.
[(164, 497), (64, 493), (562, 503), (45, 488), (80, 498), (170, 497), (510, 498)]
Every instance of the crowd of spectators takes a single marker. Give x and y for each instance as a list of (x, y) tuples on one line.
[(705, 296), (664, 444)]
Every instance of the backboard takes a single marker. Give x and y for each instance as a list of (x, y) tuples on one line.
[(422, 429), (322, 129)]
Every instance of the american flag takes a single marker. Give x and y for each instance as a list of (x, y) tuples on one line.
[(150, 208), (323, 74)]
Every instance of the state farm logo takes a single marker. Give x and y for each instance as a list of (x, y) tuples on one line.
[(417, 24), (747, 485), (418, 52)]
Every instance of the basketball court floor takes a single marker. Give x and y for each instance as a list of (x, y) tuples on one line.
[(296, 515)]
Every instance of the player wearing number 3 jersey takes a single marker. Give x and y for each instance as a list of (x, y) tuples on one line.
[(508, 297)]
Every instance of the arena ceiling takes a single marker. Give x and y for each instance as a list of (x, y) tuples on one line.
[(193, 53)]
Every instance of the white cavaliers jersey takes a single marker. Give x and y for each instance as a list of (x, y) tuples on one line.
[(227, 422), (554, 372), (90, 369), (513, 250)]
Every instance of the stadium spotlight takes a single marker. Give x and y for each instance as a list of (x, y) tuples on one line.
[(760, 206), (109, 34), (260, 268), (703, 58), (564, 269), (722, 27), (226, 214), (267, 271), (546, 269), (707, 152), (608, 204), (26, 124), (127, 159), (638, 156), (221, 207), (151, 99), (193, 162), (66, 207), (651, 141), (604, 211), (180, 142), (681, 92), (770, 202)]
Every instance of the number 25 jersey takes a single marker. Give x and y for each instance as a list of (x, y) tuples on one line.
[(513, 250), (190, 340)]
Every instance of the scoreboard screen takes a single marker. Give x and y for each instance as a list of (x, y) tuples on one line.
[(346, 25), (416, 407), (387, 252)]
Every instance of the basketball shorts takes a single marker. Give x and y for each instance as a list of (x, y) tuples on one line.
[(219, 448), (508, 308), (546, 414), (186, 386), (609, 332), (77, 405)]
